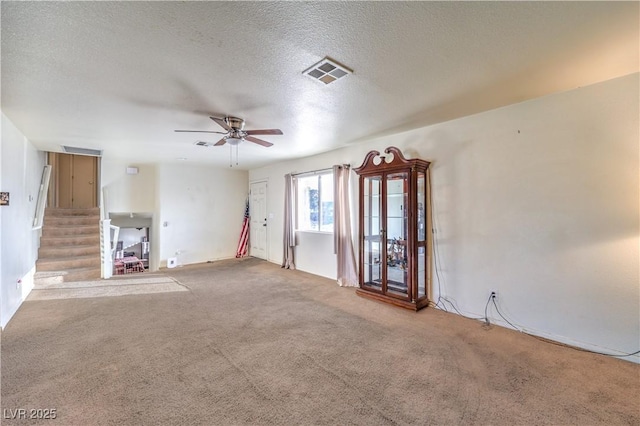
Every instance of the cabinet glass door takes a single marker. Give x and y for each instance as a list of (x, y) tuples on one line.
[(373, 253), (396, 232), (422, 236)]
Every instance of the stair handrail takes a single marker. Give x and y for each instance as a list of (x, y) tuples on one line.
[(103, 207), (108, 247), (38, 218)]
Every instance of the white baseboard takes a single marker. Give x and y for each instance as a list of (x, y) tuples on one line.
[(556, 338), (26, 285)]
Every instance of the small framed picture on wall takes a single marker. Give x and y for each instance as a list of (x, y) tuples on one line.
[(4, 198)]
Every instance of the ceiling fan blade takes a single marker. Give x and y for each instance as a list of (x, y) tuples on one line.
[(222, 123), (258, 141), (200, 131), (264, 132), (220, 142)]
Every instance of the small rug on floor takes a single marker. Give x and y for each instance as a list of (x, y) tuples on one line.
[(108, 288)]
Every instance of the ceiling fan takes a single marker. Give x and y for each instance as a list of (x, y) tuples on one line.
[(235, 132)]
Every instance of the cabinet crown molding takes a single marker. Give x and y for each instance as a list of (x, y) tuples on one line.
[(391, 159)]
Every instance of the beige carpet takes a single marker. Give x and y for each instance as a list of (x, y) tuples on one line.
[(142, 283), (251, 343)]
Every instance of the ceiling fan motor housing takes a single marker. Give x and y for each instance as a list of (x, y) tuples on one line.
[(235, 123)]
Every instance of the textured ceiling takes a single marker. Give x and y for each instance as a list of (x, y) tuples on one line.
[(121, 76)]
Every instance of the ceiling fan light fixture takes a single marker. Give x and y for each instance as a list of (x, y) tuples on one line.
[(233, 140), (327, 71)]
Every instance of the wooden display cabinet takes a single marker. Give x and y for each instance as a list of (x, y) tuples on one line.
[(395, 245)]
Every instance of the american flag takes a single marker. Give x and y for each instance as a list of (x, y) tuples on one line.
[(243, 242)]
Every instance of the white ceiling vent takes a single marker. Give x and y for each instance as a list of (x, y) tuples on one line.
[(203, 143), (327, 71), (82, 151)]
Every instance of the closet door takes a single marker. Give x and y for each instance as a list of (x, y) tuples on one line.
[(64, 174), (84, 181), (74, 181)]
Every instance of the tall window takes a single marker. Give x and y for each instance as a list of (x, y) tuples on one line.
[(314, 202)]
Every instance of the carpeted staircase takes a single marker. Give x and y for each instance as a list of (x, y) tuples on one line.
[(69, 246)]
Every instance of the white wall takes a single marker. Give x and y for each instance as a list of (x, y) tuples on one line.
[(203, 208), (124, 193), (315, 253), (20, 175), (128, 193), (538, 201)]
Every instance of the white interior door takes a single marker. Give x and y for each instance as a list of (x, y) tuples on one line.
[(258, 212)]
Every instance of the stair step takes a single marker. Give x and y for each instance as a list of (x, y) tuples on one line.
[(49, 251), (82, 274), (49, 211), (70, 230), (69, 240), (71, 220), (68, 263), (48, 279), (69, 247)]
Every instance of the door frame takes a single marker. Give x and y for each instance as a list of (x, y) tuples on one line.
[(266, 202)]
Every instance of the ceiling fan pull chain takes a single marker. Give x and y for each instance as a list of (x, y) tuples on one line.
[(236, 155), (230, 156)]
